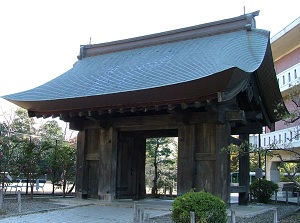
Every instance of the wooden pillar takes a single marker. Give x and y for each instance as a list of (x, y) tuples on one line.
[(140, 145), (222, 177), (212, 164), (186, 159), (107, 164), (81, 181), (244, 169)]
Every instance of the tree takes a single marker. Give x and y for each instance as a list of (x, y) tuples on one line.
[(16, 126), (67, 159), (31, 152), (29, 159), (60, 155), (21, 123), (161, 157), (51, 131)]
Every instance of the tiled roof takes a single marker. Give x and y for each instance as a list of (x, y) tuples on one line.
[(154, 66)]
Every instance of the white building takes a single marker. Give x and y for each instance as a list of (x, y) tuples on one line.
[(286, 54)]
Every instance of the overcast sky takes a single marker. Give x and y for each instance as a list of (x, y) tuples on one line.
[(41, 39)]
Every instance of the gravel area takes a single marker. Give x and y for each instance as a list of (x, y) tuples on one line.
[(283, 211), (293, 218), (11, 206)]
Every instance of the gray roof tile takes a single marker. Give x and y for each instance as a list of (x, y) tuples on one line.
[(154, 66)]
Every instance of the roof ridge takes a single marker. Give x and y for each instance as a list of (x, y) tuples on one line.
[(245, 21)]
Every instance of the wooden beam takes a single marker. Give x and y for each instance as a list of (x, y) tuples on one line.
[(160, 120), (236, 116), (249, 128)]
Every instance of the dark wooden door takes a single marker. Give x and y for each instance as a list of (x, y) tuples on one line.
[(130, 167)]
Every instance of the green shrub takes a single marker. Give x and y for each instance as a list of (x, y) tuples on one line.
[(207, 208), (267, 189)]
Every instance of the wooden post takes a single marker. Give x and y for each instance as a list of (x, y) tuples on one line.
[(244, 168), (107, 164), (222, 175), (212, 165), (186, 159), (81, 170)]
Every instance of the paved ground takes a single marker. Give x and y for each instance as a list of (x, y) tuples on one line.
[(77, 210), (91, 213), (90, 210)]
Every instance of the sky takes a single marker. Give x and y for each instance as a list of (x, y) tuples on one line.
[(40, 39)]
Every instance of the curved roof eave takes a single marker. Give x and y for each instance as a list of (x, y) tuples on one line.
[(154, 66)]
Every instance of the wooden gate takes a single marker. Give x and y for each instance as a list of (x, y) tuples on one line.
[(130, 166)]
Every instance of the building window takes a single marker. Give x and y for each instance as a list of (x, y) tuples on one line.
[(291, 136), (269, 140), (289, 77), (284, 137), (295, 74), (283, 80), (264, 141), (279, 138), (274, 139)]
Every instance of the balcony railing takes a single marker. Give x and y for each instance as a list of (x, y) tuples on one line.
[(284, 139), (289, 77)]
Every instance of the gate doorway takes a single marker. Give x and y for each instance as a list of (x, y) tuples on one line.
[(161, 166), (131, 156)]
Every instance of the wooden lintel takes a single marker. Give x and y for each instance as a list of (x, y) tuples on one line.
[(205, 156), (169, 119), (249, 128)]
